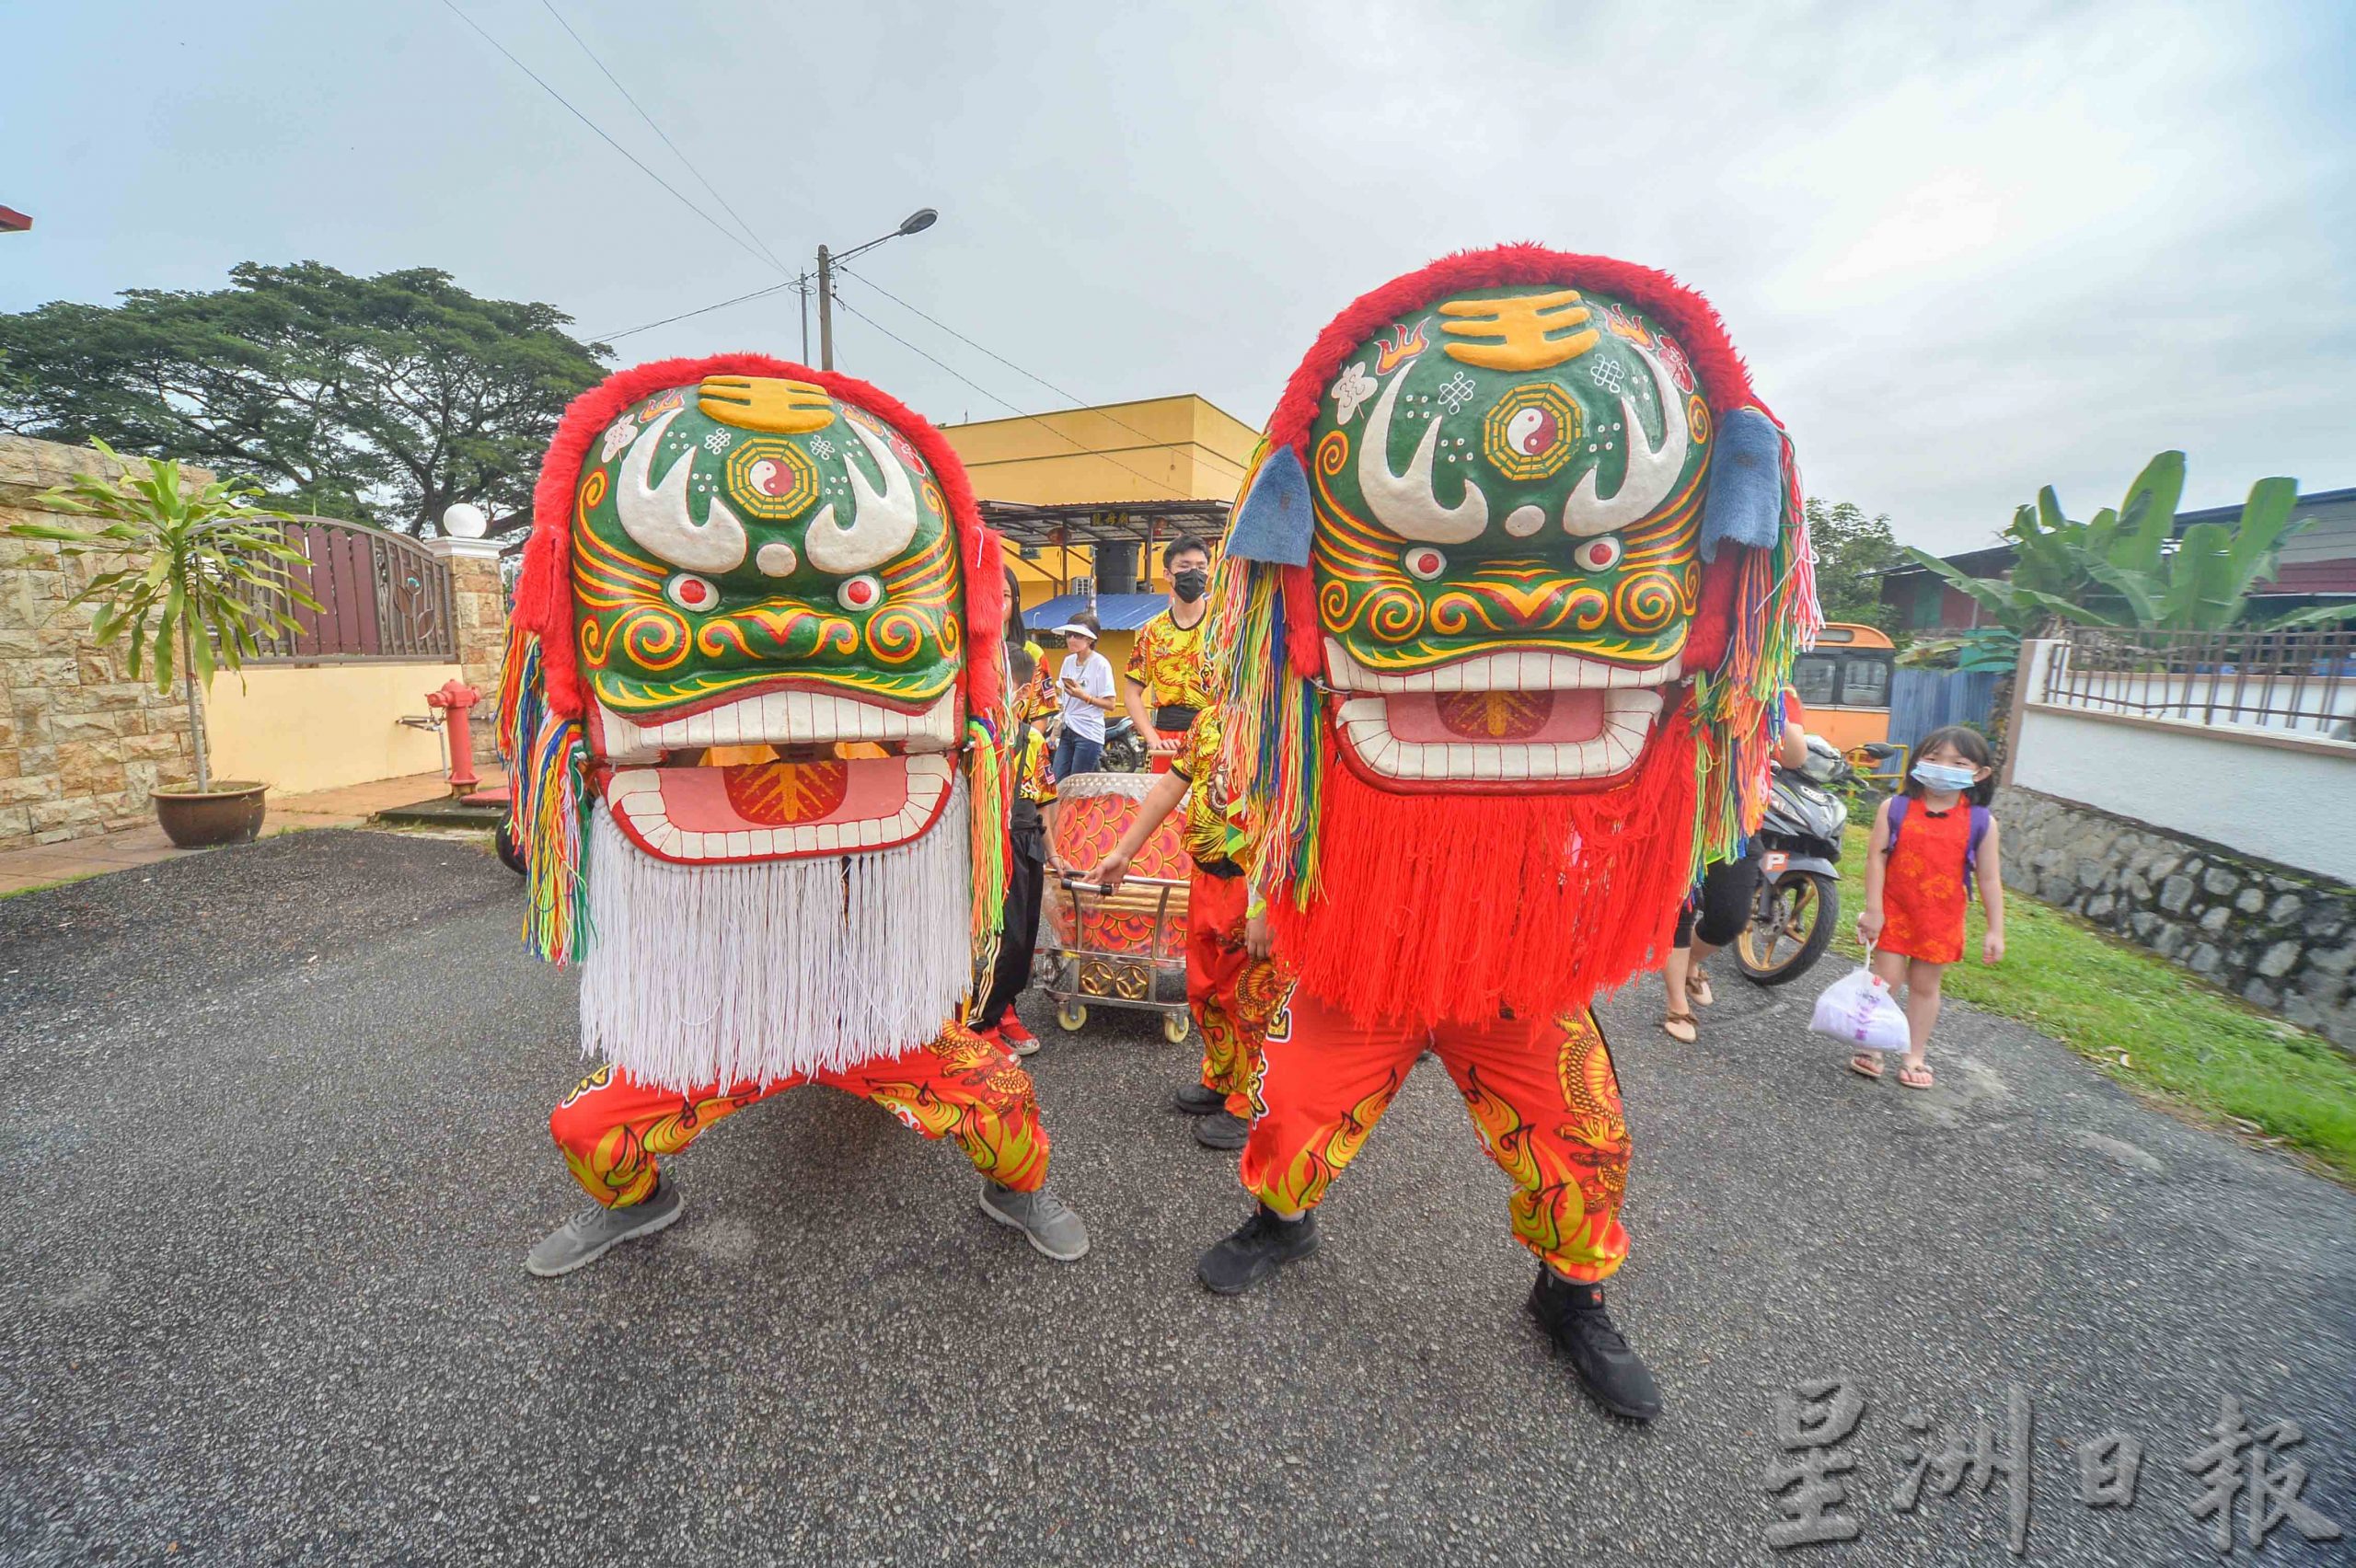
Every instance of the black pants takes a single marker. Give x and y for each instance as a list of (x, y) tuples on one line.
[(1018, 941), (1718, 913)]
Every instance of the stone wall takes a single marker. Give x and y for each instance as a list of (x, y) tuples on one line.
[(482, 602), (81, 743), (2283, 939)]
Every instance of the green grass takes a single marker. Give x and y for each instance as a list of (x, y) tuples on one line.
[(2150, 1025)]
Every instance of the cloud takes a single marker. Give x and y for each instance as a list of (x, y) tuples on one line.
[(1968, 251)]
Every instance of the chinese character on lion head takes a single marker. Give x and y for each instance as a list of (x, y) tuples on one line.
[(1513, 588), (755, 657)]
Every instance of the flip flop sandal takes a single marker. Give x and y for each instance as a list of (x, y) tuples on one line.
[(1922, 1078), (1679, 1027), (1697, 989), (1865, 1066)]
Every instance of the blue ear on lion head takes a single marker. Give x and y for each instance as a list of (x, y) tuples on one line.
[(1744, 503), (1273, 519)]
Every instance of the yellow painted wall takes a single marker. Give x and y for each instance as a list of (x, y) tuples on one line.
[(1181, 448), (322, 726)]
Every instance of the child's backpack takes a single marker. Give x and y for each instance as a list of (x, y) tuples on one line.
[(1980, 820)]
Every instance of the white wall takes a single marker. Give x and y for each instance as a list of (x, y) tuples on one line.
[(2296, 806)]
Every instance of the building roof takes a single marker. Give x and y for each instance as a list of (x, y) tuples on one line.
[(1033, 527), (13, 221), (1114, 612)]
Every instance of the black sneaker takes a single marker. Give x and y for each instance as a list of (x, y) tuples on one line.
[(1264, 1245), (1222, 1129), (1574, 1315), (1195, 1099)]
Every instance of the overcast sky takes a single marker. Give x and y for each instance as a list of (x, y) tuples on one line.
[(1967, 250)]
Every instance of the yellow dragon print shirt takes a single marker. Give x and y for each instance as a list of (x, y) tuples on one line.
[(1167, 661), (1215, 833)]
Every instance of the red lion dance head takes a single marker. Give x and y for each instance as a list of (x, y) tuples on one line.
[(1513, 589)]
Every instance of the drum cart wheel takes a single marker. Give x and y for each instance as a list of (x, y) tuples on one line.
[(1071, 1016), (1175, 1027)]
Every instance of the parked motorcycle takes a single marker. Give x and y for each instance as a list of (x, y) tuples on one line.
[(1124, 749), (1796, 848)]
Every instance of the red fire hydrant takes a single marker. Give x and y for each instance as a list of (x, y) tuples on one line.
[(455, 699)]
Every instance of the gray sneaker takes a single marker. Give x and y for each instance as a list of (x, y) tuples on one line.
[(598, 1230), (1041, 1216)]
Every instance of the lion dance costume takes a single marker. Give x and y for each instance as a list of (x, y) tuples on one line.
[(1511, 594), (750, 709)]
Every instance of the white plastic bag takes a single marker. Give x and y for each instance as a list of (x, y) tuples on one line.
[(1857, 1009)]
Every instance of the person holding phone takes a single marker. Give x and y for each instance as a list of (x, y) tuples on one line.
[(1085, 683)]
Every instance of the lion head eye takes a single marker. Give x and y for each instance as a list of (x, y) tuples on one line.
[(1600, 554), (690, 592), (1422, 563), (862, 592)]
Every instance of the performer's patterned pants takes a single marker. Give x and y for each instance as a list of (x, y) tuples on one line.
[(612, 1128), (1542, 1095), (1233, 994)]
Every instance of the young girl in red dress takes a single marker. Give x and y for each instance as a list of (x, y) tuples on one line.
[(1930, 845)]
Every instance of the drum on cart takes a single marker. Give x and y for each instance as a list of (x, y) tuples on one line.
[(1126, 948)]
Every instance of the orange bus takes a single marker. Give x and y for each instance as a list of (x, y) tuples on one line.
[(1843, 682)]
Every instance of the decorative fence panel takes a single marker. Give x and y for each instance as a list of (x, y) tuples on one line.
[(382, 597), (2290, 683), (1925, 700)]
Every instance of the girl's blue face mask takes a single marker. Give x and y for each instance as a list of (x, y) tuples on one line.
[(1946, 781)]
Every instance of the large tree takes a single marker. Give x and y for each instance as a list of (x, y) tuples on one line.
[(383, 399), (1851, 550)]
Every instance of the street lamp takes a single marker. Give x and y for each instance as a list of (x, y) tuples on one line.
[(916, 222)]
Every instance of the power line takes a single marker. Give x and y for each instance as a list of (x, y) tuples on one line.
[(733, 237), (1071, 397), (700, 310), (658, 130), (1163, 485)]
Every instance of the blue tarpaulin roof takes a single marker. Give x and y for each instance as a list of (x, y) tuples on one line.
[(1114, 612)]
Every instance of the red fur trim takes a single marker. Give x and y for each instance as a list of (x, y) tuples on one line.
[(1688, 316), (544, 596), (1706, 645), (1304, 638), (1439, 908)]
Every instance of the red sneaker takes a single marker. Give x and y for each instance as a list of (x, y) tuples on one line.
[(1019, 1040)]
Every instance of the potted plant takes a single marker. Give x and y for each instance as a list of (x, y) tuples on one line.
[(201, 572)]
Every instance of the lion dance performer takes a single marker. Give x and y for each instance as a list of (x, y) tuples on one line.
[(750, 713), (1510, 595)]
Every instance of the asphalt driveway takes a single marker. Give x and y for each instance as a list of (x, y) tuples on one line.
[(273, 1127)]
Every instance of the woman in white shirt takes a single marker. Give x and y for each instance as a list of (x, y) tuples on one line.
[(1086, 682)]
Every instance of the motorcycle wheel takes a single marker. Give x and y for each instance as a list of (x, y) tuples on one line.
[(511, 853), (1791, 923)]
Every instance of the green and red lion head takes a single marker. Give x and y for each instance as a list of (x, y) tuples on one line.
[(1521, 556), (744, 554)]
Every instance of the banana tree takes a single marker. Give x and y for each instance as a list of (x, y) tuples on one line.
[(2120, 568), (204, 574)]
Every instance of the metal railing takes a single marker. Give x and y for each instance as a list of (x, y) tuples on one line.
[(382, 597), (2301, 683)]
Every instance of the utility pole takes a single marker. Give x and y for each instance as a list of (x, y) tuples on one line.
[(916, 222), (825, 310), (802, 287)]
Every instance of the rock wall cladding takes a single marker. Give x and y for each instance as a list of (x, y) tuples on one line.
[(81, 743), (2284, 941)]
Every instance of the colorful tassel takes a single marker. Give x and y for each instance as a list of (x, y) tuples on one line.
[(1272, 742), (1740, 706), (548, 800), (988, 763)]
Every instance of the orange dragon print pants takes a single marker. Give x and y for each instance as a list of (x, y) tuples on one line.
[(1234, 996), (613, 1128), (1542, 1095)]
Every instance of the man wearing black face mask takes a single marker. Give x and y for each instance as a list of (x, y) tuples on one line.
[(1164, 689)]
